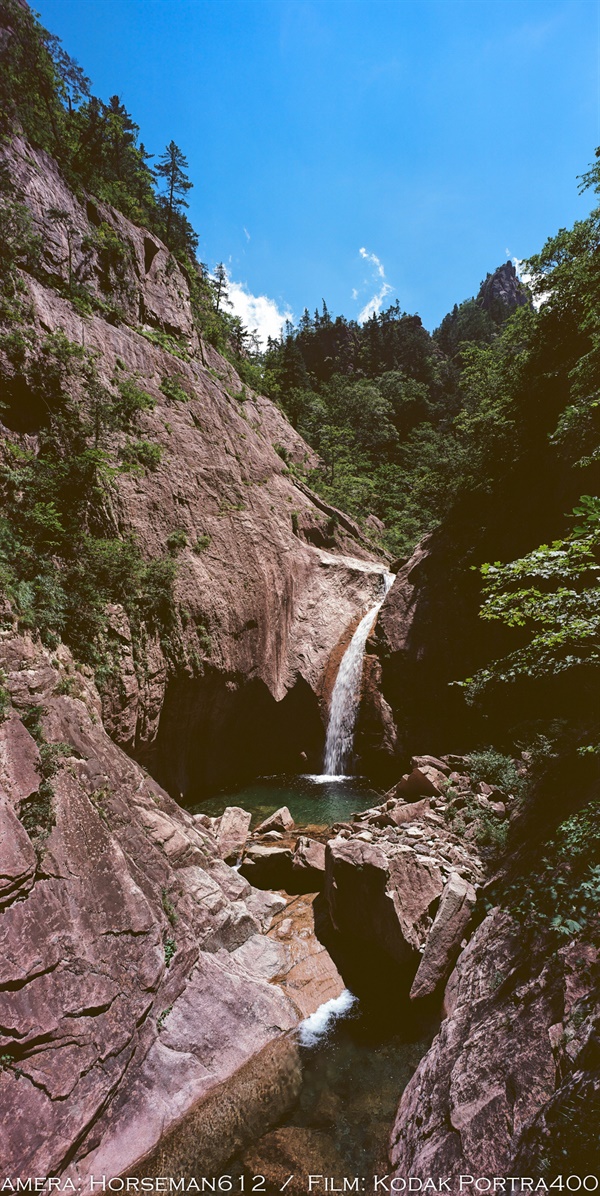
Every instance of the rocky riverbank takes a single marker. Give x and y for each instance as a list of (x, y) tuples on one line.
[(137, 977)]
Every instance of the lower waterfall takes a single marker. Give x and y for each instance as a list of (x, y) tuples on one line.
[(346, 692)]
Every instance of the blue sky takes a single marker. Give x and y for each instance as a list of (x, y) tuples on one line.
[(342, 147)]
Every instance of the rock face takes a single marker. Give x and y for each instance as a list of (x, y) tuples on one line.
[(133, 981), (267, 587), (519, 1042), (429, 634), (503, 289), (406, 886)]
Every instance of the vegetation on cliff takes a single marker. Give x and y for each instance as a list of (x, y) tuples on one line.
[(46, 96)]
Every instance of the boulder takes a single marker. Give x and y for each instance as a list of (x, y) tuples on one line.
[(421, 782), (493, 1095), (233, 832), (454, 913), (281, 820), (381, 892), (404, 812), (267, 867), (430, 762), (308, 864)]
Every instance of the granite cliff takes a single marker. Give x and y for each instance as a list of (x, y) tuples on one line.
[(269, 577)]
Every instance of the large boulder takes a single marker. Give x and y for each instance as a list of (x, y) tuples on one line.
[(281, 821), (267, 866), (308, 864), (455, 911), (232, 833), (403, 882)]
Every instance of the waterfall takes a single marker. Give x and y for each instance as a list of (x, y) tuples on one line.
[(346, 692)]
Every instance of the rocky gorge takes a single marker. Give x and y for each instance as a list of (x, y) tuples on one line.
[(151, 989)]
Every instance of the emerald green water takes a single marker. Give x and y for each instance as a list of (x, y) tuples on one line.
[(311, 800), (357, 1055), (355, 1068)]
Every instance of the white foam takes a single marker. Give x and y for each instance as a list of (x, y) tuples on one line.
[(323, 778), (316, 1027)]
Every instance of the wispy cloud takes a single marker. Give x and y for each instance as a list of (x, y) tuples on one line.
[(257, 312), (246, 233), (384, 288)]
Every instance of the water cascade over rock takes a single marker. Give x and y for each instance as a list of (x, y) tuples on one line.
[(346, 692)]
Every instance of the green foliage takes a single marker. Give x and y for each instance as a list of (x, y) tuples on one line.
[(177, 540), (166, 342), (168, 907), (562, 895), (201, 543), (36, 812), (132, 400), (162, 1017), (114, 258), (98, 798), (552, 593), (172, 388), (141, 454), (5, 698), (170, 947), (470, 820), (61, 557), (495, 768), (171, 168)]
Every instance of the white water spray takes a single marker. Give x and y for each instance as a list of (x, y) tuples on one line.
[(346, 692), (316, 1027)]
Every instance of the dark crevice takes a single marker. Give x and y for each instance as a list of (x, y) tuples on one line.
[(150, 252), (15, 986), (91, 1010)]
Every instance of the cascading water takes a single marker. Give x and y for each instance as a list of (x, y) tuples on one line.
[(346, 692)]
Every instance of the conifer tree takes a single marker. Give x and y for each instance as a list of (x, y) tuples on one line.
[(219, 283), (171, 167)]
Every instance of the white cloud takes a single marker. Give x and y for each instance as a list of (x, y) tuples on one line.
[(371, 257), (375, 302), (528, 279), (257, 312), (354, 293), (246, 233)]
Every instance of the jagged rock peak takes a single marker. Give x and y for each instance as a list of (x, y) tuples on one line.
[(503, 286)]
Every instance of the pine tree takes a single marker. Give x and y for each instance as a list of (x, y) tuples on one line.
[(219, 284), (171, 167)]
